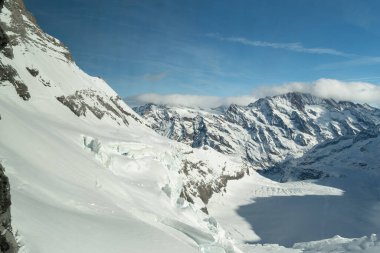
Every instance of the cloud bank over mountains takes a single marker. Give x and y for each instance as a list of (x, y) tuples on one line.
[(193, 101), (360, 92)]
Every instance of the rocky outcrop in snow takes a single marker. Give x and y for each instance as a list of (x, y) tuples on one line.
[(4, 40), (7, 241), (93, 101), (7, 72)]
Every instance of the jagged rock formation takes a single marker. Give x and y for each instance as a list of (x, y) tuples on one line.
[(265, 132), (202, 182), (23, 28), (7, 72), (95, 102)]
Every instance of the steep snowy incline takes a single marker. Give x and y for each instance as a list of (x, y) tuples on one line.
[(266, 131), (86, 174), (37, 66), (69, 197)]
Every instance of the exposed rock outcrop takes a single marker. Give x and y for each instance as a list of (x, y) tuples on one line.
[(198, 183), (7, 72), (7, 240), (100, 105), (4, 40), (23, 24)]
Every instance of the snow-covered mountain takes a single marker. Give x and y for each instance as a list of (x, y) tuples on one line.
[(264, 132), (82, 164), (87, 174)]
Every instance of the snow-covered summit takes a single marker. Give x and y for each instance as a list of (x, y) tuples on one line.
[(36, 66)]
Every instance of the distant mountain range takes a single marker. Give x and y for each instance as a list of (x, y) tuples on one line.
[(265, 132)]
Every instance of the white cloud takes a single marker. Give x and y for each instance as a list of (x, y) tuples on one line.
[(194, 101), (360, 92), (295, 47)]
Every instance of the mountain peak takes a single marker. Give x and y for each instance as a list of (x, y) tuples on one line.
[(21, 27)]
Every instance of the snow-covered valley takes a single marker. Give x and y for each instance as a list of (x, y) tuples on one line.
[(88, 174)]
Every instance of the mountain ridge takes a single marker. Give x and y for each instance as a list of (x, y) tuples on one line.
[(272, 127)]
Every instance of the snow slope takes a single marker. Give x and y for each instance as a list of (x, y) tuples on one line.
[(86, 174), (78, 182)]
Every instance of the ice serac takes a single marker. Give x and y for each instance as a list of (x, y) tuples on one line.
[(265, 132)]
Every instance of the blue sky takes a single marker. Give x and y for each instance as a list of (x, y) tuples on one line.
[(216, 47)]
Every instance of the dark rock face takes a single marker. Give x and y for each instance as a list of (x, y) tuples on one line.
[(7, 241), (199, 187), (8, 73), (4, 40), (32, 71), (200, 133)]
